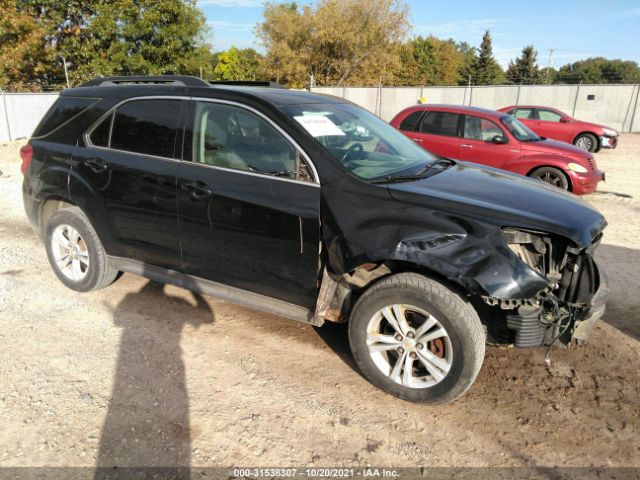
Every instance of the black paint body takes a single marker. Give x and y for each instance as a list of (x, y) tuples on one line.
[(273, 236)]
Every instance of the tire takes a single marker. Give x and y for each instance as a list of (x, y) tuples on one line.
[(81, 264), (586, 141), (553, 176), (458, 353)]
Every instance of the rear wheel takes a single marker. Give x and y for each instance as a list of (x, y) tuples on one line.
[(587, 142), (552, 176), (76, 253), (416, 339)]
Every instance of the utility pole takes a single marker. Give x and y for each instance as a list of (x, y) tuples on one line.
[(200, 71), (550, 62), (66, 73)]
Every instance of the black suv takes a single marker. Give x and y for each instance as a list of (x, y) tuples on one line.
[(309, 207)]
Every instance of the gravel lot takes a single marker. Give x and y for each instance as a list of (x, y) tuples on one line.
[(141, 374)]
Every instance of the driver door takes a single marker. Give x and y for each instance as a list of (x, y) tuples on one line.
[(477, 144), (248, 210)]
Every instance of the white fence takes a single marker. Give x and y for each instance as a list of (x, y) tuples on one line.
[(20, 113), (616, 106)]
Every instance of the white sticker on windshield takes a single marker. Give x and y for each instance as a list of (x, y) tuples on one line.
[(319, 126)]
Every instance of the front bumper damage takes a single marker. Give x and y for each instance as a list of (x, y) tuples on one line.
[(608, 141), (586, 321), (563, 313)]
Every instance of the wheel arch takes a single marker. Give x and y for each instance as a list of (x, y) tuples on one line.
[(567, 176), (588, 132)]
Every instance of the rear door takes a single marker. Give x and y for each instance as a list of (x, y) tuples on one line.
[(439, 132), (478, 146), (125, 179), (249, 208)]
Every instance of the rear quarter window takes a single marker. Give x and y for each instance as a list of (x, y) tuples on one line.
[(64, 109)]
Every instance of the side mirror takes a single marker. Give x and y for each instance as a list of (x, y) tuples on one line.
[(565, 120), (499, 140)]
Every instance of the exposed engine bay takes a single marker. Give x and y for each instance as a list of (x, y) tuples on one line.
[(567, 308)]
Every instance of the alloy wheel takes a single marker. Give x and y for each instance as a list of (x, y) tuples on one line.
[(584, 143), (70, 252), (409, 345)]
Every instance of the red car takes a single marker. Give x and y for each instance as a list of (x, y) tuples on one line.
[(498, 140), (551, 123)]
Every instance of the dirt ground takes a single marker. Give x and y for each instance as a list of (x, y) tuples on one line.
[(140, 374)]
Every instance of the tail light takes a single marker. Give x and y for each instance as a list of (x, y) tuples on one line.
[(26, 152)]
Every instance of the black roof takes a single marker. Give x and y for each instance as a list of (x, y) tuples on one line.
[(124, 86)]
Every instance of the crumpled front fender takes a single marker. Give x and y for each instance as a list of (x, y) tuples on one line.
[(467, 251)]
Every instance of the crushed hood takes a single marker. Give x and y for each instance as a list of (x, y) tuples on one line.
[(496, 196)]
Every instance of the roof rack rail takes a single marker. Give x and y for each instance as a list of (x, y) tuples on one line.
[(176, 80), (248, 83)]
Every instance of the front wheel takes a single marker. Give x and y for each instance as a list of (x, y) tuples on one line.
[(587, 142), (416, 339), (552, 176)]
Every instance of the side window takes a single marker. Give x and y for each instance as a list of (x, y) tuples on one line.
[(477, 128), (232, 137), (146, 126), (100, 135), (524, 113), (548, 116), (411, 121), (440, 123)]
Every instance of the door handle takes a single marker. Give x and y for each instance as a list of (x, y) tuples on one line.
[(95, 165), (466, 145), (197, 189), (419, 140)]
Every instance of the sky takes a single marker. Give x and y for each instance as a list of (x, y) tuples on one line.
[(574, 29)]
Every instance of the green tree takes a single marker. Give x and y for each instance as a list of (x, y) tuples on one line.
[(121, 37), (237, 64), (524, 69), (428, 61), (468, 57), (485, 70), (600, 70), (548, 75), (23, 53), (339, 42)]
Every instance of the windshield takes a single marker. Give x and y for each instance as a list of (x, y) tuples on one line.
[(519, 130), (367, 146)]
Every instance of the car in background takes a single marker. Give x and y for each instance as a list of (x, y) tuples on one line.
[(498, 140), (551, 123)]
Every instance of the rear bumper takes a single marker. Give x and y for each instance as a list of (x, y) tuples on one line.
[(608, 142), (587, 319), (584, 183)]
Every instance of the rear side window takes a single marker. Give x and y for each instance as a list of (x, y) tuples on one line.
[(440, 123), (63, 110), (525, 113), (146, 126), (410, 123)]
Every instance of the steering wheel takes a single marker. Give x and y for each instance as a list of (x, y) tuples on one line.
[(350, 150)]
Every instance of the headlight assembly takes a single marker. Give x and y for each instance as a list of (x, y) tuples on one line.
[(610, 132), (576, 167)]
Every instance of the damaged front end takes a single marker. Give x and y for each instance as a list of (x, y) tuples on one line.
[(573, 299)]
